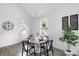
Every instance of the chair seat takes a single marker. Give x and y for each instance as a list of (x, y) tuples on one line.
[(47, 46), (29, 47)]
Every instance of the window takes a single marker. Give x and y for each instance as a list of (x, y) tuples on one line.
[(44, 26)]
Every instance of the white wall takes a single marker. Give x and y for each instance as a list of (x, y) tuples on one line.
[(55, 24), (35, 26), (11, 12)]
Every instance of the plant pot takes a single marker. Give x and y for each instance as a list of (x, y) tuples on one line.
[(68, 53)]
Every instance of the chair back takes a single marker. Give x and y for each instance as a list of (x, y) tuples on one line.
[(49, 44), (23, 44)]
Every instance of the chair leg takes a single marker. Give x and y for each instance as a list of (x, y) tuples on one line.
[(52, 48), (47, 53), (34, 52), (27, 53), (40, 51), (52, 52), (22, 51)]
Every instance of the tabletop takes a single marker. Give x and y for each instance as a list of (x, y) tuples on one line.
[(34, 41)]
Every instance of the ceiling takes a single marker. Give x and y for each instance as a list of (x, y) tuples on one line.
[(44, 8)]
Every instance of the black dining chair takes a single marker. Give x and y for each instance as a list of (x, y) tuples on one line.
[(42, 48), (46, 47), (50, 47), (27, 47)]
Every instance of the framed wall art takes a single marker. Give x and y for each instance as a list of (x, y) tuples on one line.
[(64, 22), (74, 22)]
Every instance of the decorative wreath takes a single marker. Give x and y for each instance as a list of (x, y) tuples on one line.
[(7, 25)]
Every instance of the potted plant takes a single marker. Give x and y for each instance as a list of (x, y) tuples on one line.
[(70, 38)]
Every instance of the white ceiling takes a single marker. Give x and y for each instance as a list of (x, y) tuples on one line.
[(44, 8)]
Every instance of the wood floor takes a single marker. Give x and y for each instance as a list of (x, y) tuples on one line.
[(57, 52), (16, 50)]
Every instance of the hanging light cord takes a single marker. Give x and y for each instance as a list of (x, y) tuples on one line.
[(36, 11)]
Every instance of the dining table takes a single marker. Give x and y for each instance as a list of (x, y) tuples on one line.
[(37, 43)]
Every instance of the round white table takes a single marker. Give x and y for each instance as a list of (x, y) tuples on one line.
[(37, 45)]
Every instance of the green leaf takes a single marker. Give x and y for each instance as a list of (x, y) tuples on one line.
[(69, 36), (74, 43), (61, 39)]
